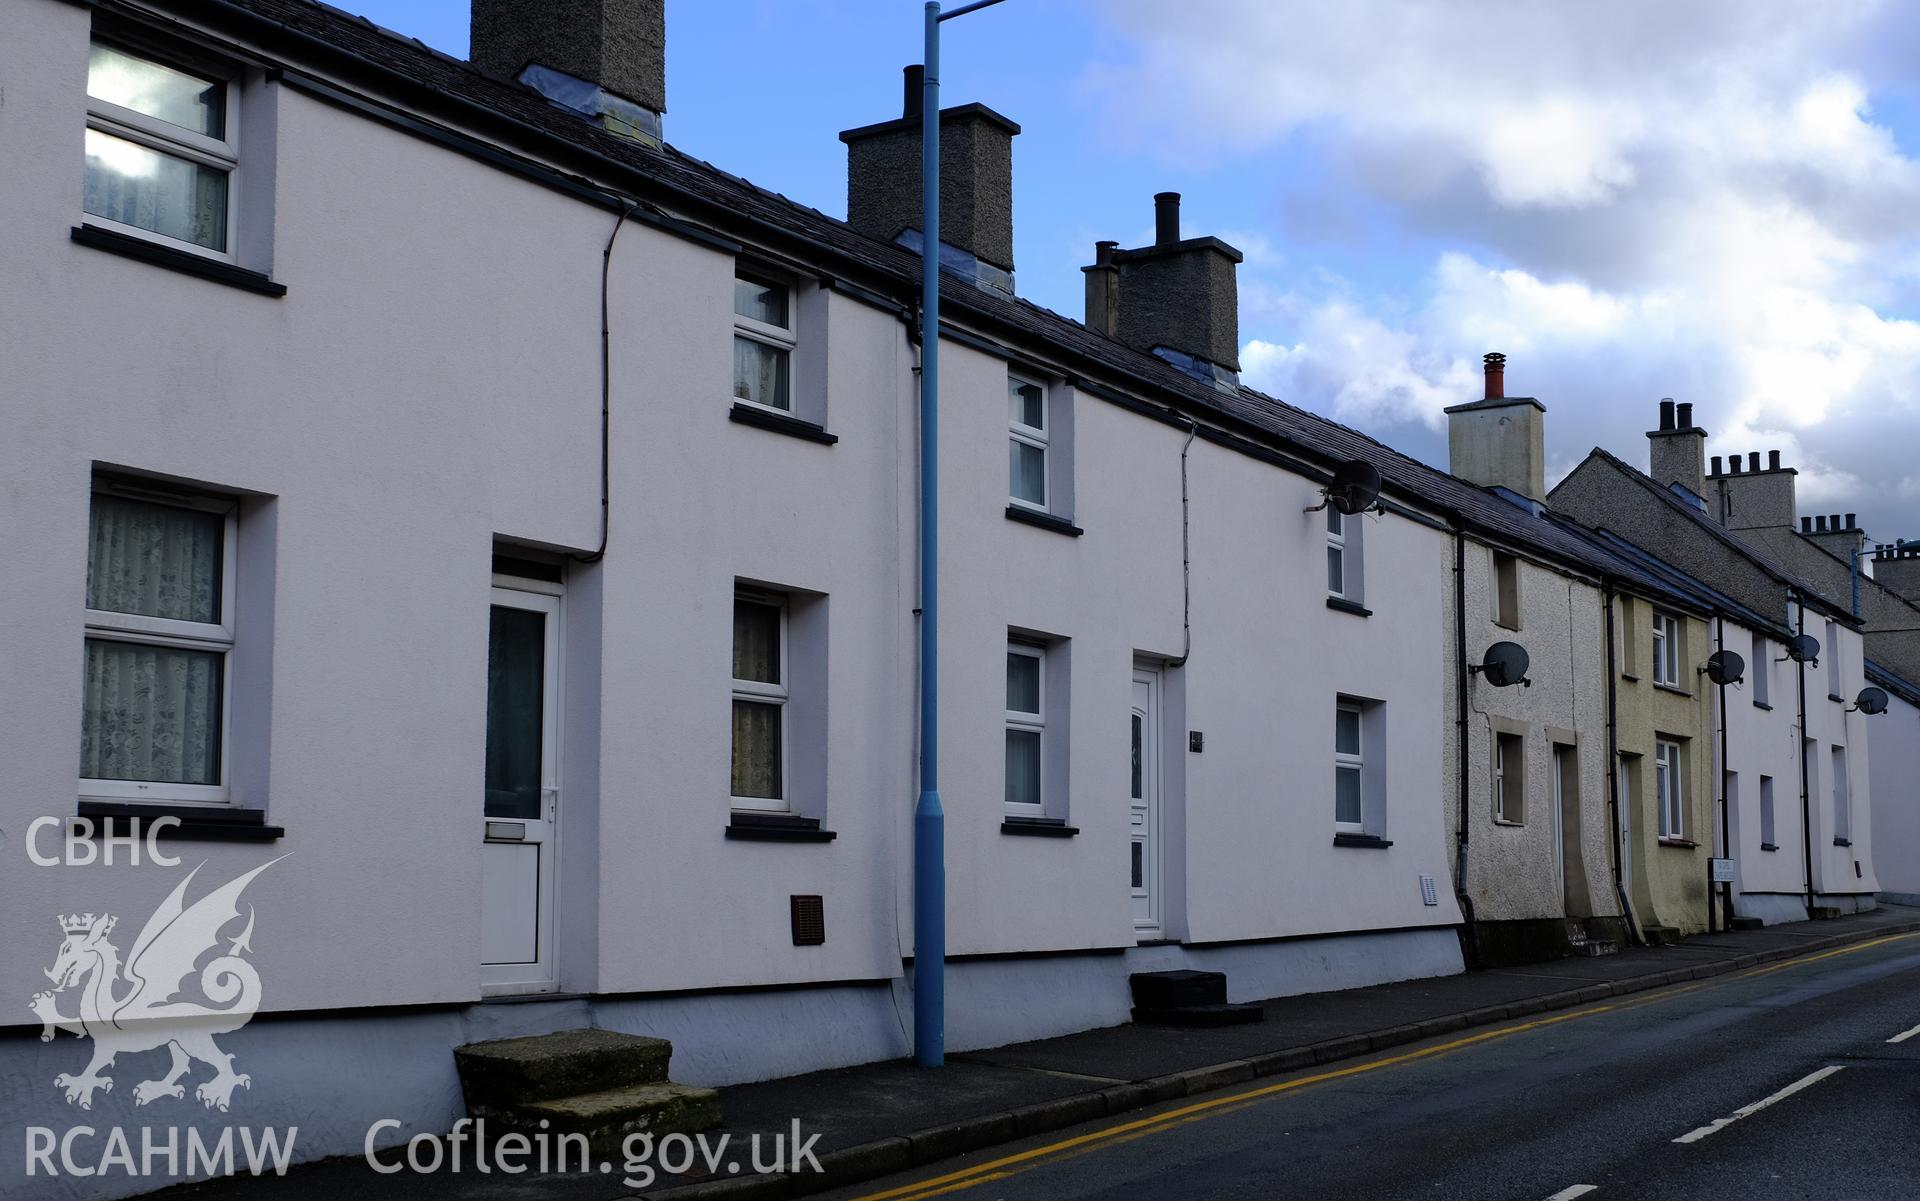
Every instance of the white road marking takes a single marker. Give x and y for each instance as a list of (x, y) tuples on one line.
[(1811, 1078), (1572, 1191), (1904, 1035)]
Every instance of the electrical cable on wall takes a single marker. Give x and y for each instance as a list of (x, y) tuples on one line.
[(606, 390)]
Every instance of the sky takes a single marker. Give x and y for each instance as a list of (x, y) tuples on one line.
[(1716, 201)]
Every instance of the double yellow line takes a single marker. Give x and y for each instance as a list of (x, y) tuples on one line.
[(1010, 1165)]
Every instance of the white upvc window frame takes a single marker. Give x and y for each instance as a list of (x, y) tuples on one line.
[(1032, 723), (222, 154), (1670, 788), (1039, 437), (104, 625), (762, 693), (1337, 551), (1666, 649), (1505, 773), (1356, 761), (783, 338)]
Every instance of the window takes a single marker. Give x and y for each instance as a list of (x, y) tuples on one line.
[(1629, 640), (763, 342), (159, 637), (160, 149), (1762, 671), (1027, 443), (1832, 647), (1669, 785), (1767, 841), (1506, 591), (1666, 649), (1349, 768), (1842, 797), (1336, 552), (1026, 729), (1509, 778), (759, 701)]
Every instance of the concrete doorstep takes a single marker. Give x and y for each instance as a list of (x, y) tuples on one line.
[(1079, 1058)]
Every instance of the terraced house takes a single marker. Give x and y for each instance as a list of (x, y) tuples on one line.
[(496, 530)]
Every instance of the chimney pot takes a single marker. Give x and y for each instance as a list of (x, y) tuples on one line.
[(1820, 524), (1850, 520), (1753, 460), (1733, 465), (915, 95), (1166, 218), (1666, 413), (1806, 525), (1103, 253), (1496, 365), (1773, 460), (1716, 465), (1686, 415), (1835, 519)]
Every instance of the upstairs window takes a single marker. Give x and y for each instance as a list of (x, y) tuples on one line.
[(1831, 647), (161, 149), (1506, 591), (1028, 444), (1761, 671), (763, 342), (759, 701), (1666, 649), (159, 638), (1336, 552)]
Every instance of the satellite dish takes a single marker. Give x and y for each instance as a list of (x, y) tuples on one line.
[(1355, 486), (1804, 648), (1726, 667), (1871, 700), (1505, 664)]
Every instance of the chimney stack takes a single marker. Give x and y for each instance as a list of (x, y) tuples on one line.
[(1178, 298), (1751, 496), (1676, 452), (1839, 534), (976, 184), (1500, 440), (617, 49)]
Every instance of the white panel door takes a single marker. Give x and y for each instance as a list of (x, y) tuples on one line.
[(522, 808), (1143, 808)]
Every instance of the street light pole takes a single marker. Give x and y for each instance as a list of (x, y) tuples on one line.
[(929, 822)]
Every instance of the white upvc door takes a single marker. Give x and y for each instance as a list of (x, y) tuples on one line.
[(522, 805), (1144, 803)]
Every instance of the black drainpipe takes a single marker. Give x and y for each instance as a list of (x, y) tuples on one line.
[(1468, 942), (1613, 768), (1726, 829), (1806, 813)]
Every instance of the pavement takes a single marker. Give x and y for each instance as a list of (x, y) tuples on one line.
[(1785, 1081), (880, 1119)]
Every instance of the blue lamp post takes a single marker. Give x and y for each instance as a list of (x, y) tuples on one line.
[(929, 823)]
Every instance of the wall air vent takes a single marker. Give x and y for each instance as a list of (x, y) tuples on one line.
[(809, 920)]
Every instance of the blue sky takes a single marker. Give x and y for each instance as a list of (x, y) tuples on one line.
[(1717, 201)]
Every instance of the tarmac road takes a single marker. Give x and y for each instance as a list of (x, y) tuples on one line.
[(1781, 1082)]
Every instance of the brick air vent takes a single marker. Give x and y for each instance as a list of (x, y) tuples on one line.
[(809, 921)]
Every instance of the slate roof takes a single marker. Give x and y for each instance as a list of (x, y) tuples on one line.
[(1898, 685), (426, 79), (1739, 546), (1704, 594)]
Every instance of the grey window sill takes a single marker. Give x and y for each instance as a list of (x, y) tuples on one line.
[(1342, 605), (1043, 521), (1843, 842), (1675, 689), (1507, 821), (186, 262), (1763, 705), (777, 827), (1838, 700), (1767, 846), (1363, 841), (1038, 827), (780, 423), (1630, 677), (1684, 844), (199, 823)]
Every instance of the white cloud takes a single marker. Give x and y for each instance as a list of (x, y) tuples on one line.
[(1634, 200)]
